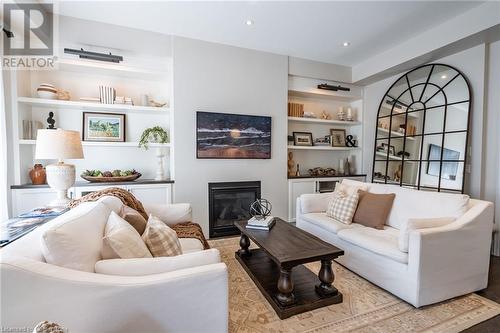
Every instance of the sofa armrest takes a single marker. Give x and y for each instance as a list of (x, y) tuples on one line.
[(186, 300), (170, 214), (157, 265), (313, 203), (453, 253)]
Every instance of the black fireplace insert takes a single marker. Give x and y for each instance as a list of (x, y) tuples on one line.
[(229, 202)]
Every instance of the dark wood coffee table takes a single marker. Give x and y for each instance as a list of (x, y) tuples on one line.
[(282, 249)]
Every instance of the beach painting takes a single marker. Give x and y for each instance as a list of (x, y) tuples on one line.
[(232, 136)]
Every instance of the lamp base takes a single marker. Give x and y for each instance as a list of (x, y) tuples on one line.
[(60, 177)]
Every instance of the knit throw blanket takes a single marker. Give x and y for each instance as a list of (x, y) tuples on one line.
[(183, 230)]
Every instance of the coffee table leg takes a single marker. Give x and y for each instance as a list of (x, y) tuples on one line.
[(244, 244), (326, 277), (285, 287)]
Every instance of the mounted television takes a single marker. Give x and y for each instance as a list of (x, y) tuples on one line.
[(232, 136), (449, 169)]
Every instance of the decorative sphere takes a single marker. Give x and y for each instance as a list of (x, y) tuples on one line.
[(260, 208)]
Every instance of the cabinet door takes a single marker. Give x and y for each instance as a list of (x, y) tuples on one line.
[(296, 189), (152, 194), (84, 190)]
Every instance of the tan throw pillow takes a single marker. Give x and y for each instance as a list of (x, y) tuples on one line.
[(373, 209), (342, 207), (121, 240), (161, 240), (134, 218)]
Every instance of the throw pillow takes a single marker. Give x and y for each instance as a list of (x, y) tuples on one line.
[(161, 240), (350, 188), (415, 224), (121, 240), (134, 218), (373, 209), (342, 207)]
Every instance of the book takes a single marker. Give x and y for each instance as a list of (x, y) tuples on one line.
[(261, 227), (45, 212), (261, 222)]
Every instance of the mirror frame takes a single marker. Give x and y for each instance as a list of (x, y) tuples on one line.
[(404, 136)]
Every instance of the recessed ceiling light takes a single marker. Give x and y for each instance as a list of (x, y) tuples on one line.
[(346, 44), (248, 22), (443, 77)]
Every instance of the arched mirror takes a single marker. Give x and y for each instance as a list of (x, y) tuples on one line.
[(422, 130)]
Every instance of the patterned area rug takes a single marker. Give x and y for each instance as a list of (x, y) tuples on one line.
[(366, 308)]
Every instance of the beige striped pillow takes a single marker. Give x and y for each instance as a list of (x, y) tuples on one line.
[(342, 206), (160, 239)]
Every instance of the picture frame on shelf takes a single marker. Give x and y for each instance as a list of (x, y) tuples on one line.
[(390, 148), (103, 127), (302, 139), (338, 137)]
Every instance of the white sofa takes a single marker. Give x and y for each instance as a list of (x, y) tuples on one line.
[(441, 262), (189, 294)]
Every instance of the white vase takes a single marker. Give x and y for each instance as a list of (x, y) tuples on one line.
[(160, 155)]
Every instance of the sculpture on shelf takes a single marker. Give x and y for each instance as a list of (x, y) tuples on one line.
[(260, 209), (325, 115), (398, 173), (341, 114), (322, 172), (51, 121), (291, 163), (297, 173)]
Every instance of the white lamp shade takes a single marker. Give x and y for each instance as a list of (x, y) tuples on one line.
[(58, 144)]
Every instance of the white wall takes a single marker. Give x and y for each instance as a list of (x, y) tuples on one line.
[(219, 78)]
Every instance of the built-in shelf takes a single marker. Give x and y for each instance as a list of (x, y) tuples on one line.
[(391, 157), (323, 121), (321, 148), (77, 105), (101, 68), (105, 144), (394, 133), (396, 113)]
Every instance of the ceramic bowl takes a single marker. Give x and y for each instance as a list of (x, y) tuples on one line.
[(46, 94)]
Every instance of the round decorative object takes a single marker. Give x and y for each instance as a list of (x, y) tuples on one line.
[(260, 209), (38, 175)]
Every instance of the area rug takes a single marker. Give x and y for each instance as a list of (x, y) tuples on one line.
[(366, 308)]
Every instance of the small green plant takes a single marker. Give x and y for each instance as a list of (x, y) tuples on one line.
[(153, 135)]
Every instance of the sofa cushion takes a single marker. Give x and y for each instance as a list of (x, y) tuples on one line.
[(160, 239), (323, 221), (146, 266), (350, 188), (112, 202), (315, 203), (189, 245), (342, 206), (415, 224), (134, 218), (74, 239), (383, 242), (121, 240), (373, 209)]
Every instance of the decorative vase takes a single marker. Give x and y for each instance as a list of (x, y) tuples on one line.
[(160, 155), (38, 175)]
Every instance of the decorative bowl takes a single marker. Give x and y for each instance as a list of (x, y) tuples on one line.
[(46, 94), (111, 179)]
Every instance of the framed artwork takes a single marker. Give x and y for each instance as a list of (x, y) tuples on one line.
[(302, 139), (232, 136), (390, 148), (103, 127), (338, 137)]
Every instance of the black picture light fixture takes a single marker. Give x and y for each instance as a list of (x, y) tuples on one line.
[(325, 86), (82, 54)]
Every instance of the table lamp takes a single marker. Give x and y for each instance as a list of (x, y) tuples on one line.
[(59, 144)]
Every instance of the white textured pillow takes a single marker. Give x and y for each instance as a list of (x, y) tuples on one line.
[(161, 240), (147, 266), (121, 240), (350, 188), (74, 239), (342, 207), (415, 224)]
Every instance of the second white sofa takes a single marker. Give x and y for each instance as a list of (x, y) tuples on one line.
[(441, 262)]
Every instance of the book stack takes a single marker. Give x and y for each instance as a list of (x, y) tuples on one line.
[(295, 110), (107, 95), (262, 224), (124, 100)]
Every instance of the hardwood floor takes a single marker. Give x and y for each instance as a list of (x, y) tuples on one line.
[(493, 293)]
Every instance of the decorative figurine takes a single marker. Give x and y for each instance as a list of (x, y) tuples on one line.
[(51, 121), (297, 173), (325, 115), (291, 163), (397, 173)]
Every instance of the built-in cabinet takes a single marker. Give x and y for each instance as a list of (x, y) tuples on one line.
[(25, 199)]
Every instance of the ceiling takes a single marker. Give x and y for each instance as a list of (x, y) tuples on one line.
[(311, 30)]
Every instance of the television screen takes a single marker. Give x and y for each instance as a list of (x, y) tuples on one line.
[(232, 136), (449, 169)]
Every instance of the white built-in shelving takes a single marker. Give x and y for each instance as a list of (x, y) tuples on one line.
[(391, 157), (323, 121), (326, 148), (394, 133), (106, 144)]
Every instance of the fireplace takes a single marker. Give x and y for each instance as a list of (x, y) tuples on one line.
[(230, 202)]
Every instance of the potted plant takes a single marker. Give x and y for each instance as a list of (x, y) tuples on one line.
[(155, 135)]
